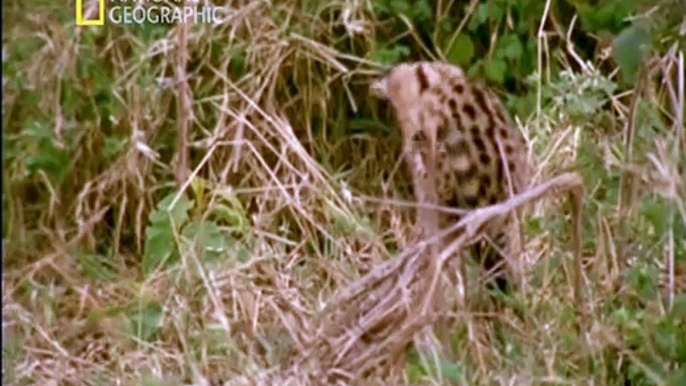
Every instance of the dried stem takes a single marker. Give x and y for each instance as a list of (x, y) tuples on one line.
[(183, 103), (375, 318)]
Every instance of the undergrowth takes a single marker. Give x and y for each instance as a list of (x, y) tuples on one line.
[(293, 188)]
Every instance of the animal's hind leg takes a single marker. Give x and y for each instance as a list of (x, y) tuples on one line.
[(490, 257)]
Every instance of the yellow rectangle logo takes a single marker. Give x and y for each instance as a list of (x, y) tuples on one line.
[(101, 14)]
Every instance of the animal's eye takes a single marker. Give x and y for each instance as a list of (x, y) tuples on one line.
[(418, 136)]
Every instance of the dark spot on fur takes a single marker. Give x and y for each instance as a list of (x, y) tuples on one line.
[(453, 202), (453, 104), (422, 79), (490, 132), (499, 172), (418, 136), (456, 148), (475, 130), (469, 110), (482, 190), (500, 115), (503, 133), (492, 200), (441, 131), (511, 166), (457, 118), (485, 158), (508, 149), (460, 124), (458, 88), (479, 144), (486, 181), (490, 123), (471, 201), (481, 100)]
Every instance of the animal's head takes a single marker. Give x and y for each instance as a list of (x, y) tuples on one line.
[(404, 84)]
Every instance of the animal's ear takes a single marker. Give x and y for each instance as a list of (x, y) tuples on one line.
[(379, 88), (432, 76)]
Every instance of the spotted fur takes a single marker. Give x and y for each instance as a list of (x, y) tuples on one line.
[(462, 128)]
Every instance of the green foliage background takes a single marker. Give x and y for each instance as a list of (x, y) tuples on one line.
[(74, 101)]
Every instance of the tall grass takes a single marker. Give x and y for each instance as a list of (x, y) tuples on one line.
[(292, 191)]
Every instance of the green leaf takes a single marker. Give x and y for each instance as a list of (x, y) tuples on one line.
[(461, 51), (451, 371), (369, 126), (159, 250), (400, 6), (495, 70), (629, 50), (165, 221), (389, 55), (150, 380), (207, 237), (658, 213), (42, 154), (479, 17), (677, 377), (146, 321), (238, 65), (511, 47), (679, 308), (644, 280), (178, 212), (233, 214), (422, 11), (232, 217), (96, 267), (495, 11), (414, 372), (114, 146), (352, 226)]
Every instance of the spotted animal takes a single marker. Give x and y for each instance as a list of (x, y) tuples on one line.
[(459, 128)]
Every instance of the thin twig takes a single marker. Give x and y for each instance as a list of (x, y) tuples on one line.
[(183, 104), (379, 314)]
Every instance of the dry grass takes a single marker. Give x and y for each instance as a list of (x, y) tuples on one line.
[(317, 281)]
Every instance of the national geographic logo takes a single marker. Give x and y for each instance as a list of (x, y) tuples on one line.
[(80, 20), (147, 11)]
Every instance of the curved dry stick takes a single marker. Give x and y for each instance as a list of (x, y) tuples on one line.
[(372, 320)]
